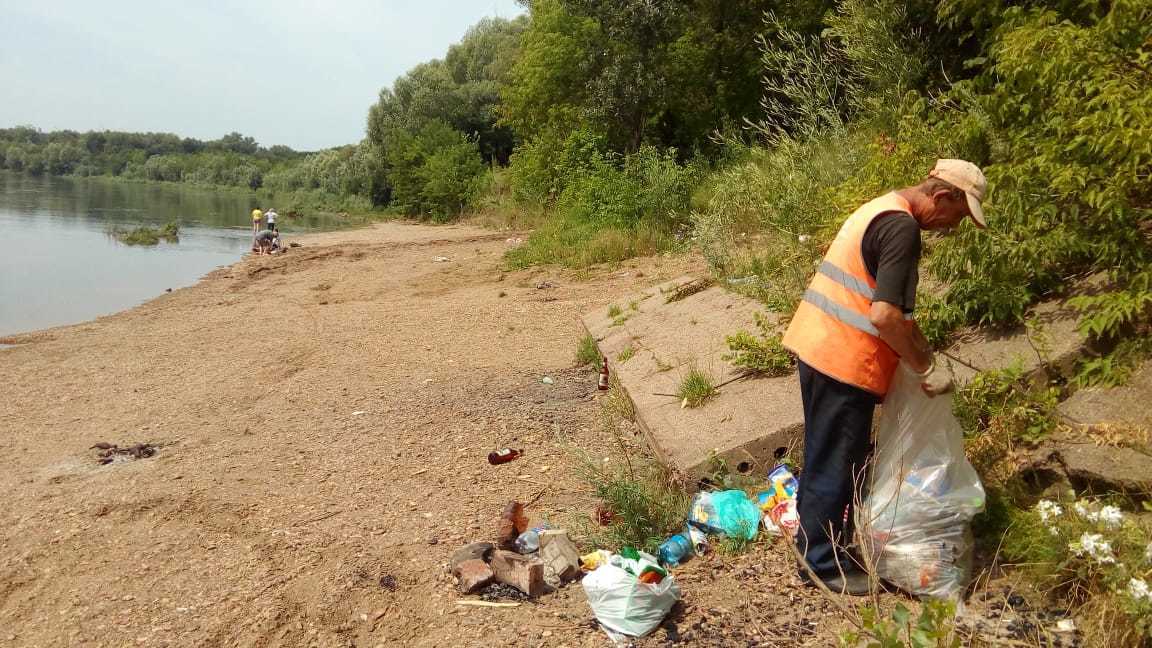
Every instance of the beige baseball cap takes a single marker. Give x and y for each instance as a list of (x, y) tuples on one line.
[(969, 178)]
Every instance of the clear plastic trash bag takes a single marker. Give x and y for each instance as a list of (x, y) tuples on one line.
[(923, 495)]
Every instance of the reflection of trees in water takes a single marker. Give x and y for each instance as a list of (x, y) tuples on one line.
[(116, 203)]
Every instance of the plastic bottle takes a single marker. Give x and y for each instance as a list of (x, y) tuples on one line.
[(675, 550), (602, 382), (503, 456), (528, 542)]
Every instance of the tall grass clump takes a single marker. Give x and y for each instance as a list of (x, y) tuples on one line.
[(696, 387), (587, 353)]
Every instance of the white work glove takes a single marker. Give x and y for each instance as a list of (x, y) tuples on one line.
[(936, 380)]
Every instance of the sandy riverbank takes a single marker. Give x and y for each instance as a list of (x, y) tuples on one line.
[(323, 419)]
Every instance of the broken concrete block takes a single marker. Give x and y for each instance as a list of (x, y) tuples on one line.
[(474, 551), (525, 573), (473, 575), (744, 425), (1104, 469), (1073, 459), (1047, 349), (560, 557), (1126, 405)]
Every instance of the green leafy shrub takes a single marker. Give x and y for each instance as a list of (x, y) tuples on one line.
[(934, 628), (145, 235), (761, 354), (1005, 399), (1063, 100), (646, 503), (435, 171), (612, 208)]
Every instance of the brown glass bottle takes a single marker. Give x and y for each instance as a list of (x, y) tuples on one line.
[(503, 456), (602, 382)]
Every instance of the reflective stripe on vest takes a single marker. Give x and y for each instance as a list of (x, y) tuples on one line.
[(846, 280), (832, 330), (848, 316)]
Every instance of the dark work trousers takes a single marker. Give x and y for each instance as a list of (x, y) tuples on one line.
[(837, 430)]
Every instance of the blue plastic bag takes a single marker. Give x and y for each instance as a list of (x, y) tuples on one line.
[(728, 513)]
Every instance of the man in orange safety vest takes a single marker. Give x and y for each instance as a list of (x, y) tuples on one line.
[(850, 333)]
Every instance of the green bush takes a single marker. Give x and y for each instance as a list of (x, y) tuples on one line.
[(612, 208), (934, 628), (1065, 104), (145, 235), (434, 172)]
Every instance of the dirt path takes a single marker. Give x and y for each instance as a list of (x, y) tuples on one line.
[(323, 419)]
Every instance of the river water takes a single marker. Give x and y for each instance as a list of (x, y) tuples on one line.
[(59, 263)]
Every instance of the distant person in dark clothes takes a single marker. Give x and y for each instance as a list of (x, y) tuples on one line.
[(262, 243)]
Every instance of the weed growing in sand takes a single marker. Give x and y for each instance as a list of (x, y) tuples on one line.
[(614, 311), (646, 503), (643, 500), (932, 629), (626, 354), (587, 353), (696, 387)]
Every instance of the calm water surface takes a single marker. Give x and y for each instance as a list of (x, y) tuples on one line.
[(60, 265)]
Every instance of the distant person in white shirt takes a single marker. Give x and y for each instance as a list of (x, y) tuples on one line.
[(270, 218)]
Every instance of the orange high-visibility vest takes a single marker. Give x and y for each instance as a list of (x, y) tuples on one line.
[(832, 329)]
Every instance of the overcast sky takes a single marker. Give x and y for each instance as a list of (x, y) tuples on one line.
[(295, 72)]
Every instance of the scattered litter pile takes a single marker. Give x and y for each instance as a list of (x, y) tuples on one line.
[(532, 562), (917, 515)]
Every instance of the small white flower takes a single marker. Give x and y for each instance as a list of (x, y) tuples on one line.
[(1148, 553), (1048, 509), (1095, 546), (1111, 517), (1053, 531), (1138, 589), (1083, 511)]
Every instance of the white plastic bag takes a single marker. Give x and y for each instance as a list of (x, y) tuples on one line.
[(923, 495), (623, 604)]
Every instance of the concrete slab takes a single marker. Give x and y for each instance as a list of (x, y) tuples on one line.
[(743, 425), (1129, 404), (1052, 347)]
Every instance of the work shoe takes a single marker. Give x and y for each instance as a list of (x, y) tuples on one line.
[(852, 583)]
